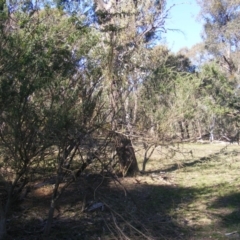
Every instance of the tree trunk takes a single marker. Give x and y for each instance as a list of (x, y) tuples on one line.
[(5, 198), (2, 222), (181, 129), (146, 155), (50, 218), (187, 129), (126, 155), (52, 208), (135, 109), (199, 129)]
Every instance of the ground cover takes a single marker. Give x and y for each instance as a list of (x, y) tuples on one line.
[(189, 191)]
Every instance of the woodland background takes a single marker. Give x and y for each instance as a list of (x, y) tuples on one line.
[(82, 83)]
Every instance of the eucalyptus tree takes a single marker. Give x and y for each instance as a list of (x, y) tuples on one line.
[(197, 54), (222, 40), (221, 20), (170, 90), (128, 29), (216, 97)]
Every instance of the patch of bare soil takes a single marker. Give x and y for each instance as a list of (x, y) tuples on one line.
[(192, 195), (97, 207)]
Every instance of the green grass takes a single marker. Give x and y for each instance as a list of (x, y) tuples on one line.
[(207, 194)]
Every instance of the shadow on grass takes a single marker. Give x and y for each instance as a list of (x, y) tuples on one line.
[(133, 211), (176, 166), (188, 163), (230, 206)]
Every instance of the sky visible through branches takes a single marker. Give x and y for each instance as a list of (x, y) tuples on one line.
[(183, 18)]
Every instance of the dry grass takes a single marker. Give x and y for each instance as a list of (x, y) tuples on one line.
[(189, 191), (209, 176)]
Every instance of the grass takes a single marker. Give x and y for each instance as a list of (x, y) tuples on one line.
[(208, 205), (189, 191)]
